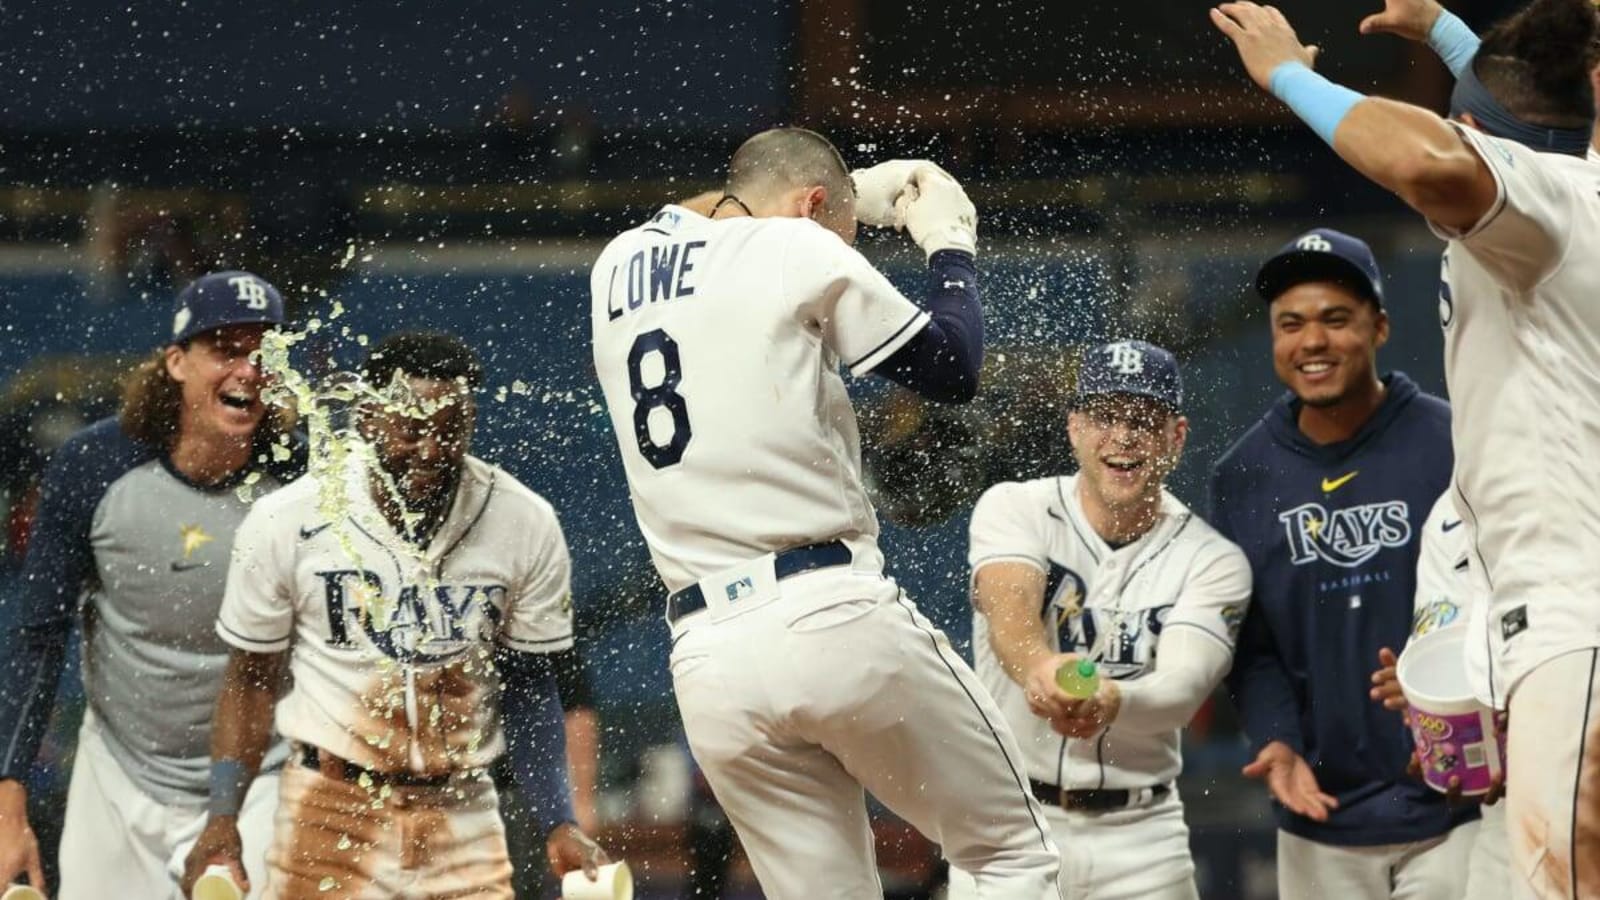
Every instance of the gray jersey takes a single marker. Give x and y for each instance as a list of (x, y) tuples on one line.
[(146, 553)]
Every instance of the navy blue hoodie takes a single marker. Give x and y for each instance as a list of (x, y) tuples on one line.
[(1332, 533)]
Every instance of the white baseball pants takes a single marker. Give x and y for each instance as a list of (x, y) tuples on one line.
[(117, 841), (837, 684), (1141, 853), (1553, 780), (1423, 870)]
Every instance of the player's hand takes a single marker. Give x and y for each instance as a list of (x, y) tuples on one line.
[(1089, 716), (1410, 19), (1045, 698), (1386, 684), (1291, 782), (19, 848), (937, 213), (877, 189), (1263, 38), (569, 849), (218, 845)]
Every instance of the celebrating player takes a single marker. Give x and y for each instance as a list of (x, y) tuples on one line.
[(1506, 183), (1106, 565), (1447, 597), (416, 598), (136, 513), (1327, 494), (802, 672)]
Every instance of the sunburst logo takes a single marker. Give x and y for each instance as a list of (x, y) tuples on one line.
[(194, 537)]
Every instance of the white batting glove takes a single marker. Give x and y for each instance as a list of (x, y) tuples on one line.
[(937, 212), (877, 189)]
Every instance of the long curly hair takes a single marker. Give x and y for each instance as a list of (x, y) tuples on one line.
[(151, 401)]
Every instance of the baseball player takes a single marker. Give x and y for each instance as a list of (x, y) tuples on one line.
[(1106, 565), (1447, 597), (1326, 495), (1506, 183), (802, 672), (416, 597), (134, 520)]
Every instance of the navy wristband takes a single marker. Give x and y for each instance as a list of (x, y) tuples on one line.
[(229, 783)]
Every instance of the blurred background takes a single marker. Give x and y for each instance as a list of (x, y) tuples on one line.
[(459, 165)]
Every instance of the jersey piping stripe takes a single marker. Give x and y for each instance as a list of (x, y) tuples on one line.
[(35, 691), (1577, 777), (1196, 625), (887, 341), (482, 508), (277, 644), (1022, 785), (1072, 521)]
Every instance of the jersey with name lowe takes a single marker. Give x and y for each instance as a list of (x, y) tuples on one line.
[(1332, 533), (724, 374), (391, 642)]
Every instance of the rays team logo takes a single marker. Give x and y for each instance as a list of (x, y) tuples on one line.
[(1434, 616), (417, 624), (1122, 641), (1345, 537)]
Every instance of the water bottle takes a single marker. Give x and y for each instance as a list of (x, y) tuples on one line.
[(1078, 680)]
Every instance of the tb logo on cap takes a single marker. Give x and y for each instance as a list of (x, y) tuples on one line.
[(252, 293), (1316, 243), (1126, 358)]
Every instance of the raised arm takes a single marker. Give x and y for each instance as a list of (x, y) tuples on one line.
[(1406, 149)]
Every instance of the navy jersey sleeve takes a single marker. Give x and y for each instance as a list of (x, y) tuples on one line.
[(36, 615), (1259, 684)]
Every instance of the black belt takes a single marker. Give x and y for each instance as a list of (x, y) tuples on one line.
[(788, 562), (1098, 800), (318, 760)]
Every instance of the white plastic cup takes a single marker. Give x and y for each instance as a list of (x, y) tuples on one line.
[(21, 892), (1455, 735), (216, 883), (616, 883)]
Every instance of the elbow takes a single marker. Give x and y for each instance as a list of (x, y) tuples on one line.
[(962, 386), (1427, 179)]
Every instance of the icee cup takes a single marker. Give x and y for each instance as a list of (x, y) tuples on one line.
[(1455, 734)]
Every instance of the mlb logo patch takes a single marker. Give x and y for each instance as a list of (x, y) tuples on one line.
[(1513, 623), (741, 589)]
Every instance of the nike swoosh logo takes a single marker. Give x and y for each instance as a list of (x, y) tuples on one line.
[(307, 534), (1329, 485), (1450, 526), (186, 566)]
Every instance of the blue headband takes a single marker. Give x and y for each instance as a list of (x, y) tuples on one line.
[(1470, 96)]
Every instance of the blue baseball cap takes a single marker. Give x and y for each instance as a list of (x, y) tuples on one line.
[(1130, 367), (1322, 254), (224, 298)]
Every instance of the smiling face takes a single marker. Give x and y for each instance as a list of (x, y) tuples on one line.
[(1127, 445), (220, 381), (1325, 342)]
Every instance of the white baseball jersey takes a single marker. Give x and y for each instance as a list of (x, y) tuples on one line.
[(1522, 358), (391, 644), (1111, 605), (718, 345)]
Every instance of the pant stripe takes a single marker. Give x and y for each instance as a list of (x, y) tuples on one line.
[(1577, 779), (1022, 788)]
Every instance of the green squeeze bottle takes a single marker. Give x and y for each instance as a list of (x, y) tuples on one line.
[(1078, 680)]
